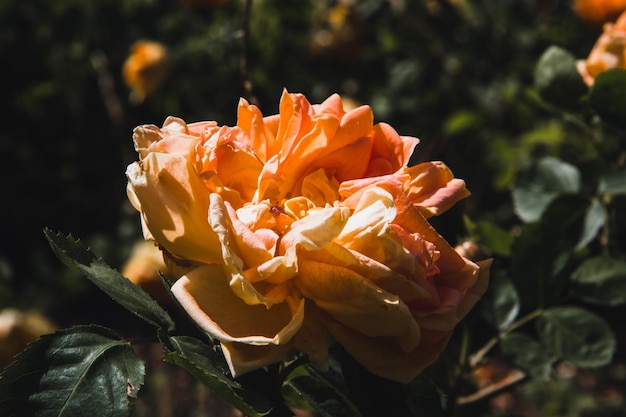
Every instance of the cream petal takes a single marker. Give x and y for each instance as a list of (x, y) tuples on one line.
[(174, 206), (354, 301), (233, 264), (207, 297), (315, 230), (243, 358)]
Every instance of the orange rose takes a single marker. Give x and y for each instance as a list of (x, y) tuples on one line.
[(597, 12), (145, 69), (608, 52), (287, 227)]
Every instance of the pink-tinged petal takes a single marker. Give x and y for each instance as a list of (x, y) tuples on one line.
[(378, 273), (351, 299), (368, 232), (433, 188), (445, 319), (352, 190), (173, 137), (234, 264), (206, 295), (411, 219), (174, 206)]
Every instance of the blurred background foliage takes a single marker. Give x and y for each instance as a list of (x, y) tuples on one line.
[(458, 74)]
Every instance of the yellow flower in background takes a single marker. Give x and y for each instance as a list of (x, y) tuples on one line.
[(145, 69), (608, 52), (287, 228)]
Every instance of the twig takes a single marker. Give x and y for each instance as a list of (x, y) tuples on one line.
[(480, 354), (512, 378), (112, 103), (245, 72)]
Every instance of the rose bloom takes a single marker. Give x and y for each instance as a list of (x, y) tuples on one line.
[(608, 52), (145, 69), (287, 228), (597, 12)]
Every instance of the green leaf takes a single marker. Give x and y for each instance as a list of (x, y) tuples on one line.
[(494, 237), (608, 96), (557, 79), (501, 303), (601, 281), (594, 220), (528, 354), (577, 335), (614, 183), (318, 392), (209, 367), (544, 182), (80, 371), (77, 257)]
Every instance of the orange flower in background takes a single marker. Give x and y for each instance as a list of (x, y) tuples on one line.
[(145, 69), (597, 12), (285, 228), (608, 52), (18, 329)]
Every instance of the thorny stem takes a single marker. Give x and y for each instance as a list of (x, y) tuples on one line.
[(245, 73)]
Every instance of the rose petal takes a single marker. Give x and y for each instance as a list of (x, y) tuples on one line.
[(355, 302), (206, 296), (174, 206), (433, 188), (382, 357)]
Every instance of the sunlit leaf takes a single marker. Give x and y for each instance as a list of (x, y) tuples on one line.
[(501, 303), (557, 79), (601, 281), (614, 183), (76, 256), (548, 179), (577, 335), (319, 393), (494, 237), (80, 371), (594, 220), (528, 354), (208, 366)]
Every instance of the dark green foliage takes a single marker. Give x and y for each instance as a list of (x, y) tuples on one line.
[(489, 87), (577, 336), (83, 370), (73, 254), (528, 354), (608, 96), (557, 79)]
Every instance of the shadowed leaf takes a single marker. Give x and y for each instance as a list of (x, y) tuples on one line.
[(80, 371)]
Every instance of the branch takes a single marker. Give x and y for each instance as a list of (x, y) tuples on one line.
[(245, 73), (511, 379)]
